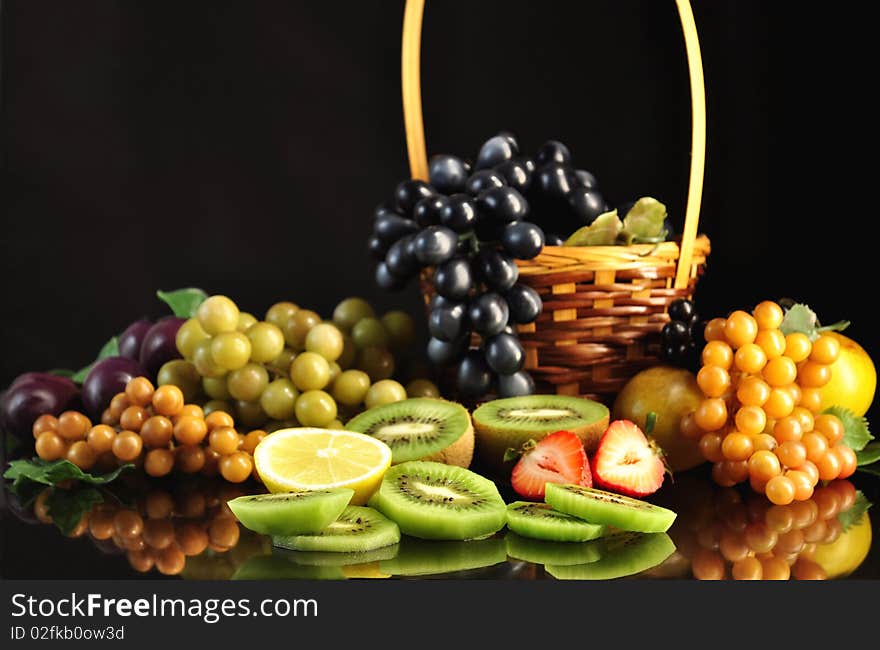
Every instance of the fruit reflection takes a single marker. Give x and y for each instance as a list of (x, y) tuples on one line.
[(182, 529), (725, 533)]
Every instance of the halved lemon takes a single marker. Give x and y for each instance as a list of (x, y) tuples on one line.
[(292, 460)]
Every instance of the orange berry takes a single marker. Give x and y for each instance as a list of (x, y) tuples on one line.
[(803, 485), (217, 419), (737, 446), (811, 399), (826, 350), (780, 490), (816, 445), (750, 358), (156, 431), (159, 462), (750, 420), (740, 329), (764, 442), (717, 353), (192, 410), (73, 425), (829, 466), (772, 342), (847, 458), (768, 315), (127, 446), (780, 372), (139, 391), (713, 380), (133, 418), (797, 346), (224, 440), (787, 428), (101, 437), (50, 446), (829, 426), (118, 404), (791, 453), (809, 468), (764, 465), (45, 422), (190, 430), (81, 455), (714, 330), (237, 467), (711, 414), (168, 400), (753, 391), (710, 447), (779, 404), (803, 416), (189, 459), (813, 375)]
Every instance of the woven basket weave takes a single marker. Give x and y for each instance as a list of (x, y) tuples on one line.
[(604, 306)]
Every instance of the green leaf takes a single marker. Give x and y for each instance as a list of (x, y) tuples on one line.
[(800, 318), (183, 302), (869, 454), (650, 422), (602, 232), (61, 372), (644, 221), (109, 349), (874, 470), (849, 518), (67, 507), (52, 473), (855, 428)]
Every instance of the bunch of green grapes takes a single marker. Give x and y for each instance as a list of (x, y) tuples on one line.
[(292, 368)]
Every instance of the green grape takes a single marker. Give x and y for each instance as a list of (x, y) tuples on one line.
[(279, 399), (297, 327), (349, 353), (326, 340), (310, 371), (351, 387), (282, 363), (245, 320), (215, 388), (203, 360), (315, 408), (336, 424), (401, 329), (188, 336), (378, 363), (230, 350), (335, 371), (267, 342), (422, 388), (280, 313), (250, 415), (369, 332), (217, 405), (248, 382), (182, 374), (218, 314), (350, 311), (384, 392)]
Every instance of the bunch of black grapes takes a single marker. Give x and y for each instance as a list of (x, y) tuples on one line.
[(470, 224), (681, 339)]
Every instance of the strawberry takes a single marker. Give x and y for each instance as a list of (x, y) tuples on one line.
[(557, 458), (626, 462)]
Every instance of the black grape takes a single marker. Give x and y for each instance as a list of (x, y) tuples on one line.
[(552, 239), (504, 354), (435, 245), (447, 174), (502, 204), (427, 211), (522, 239), (444, 353), (496, 150), (553, 151), (376, 248), (408, 193), (515, 385), (555, 180), (488, 314), (587, 204), (401, 260), (453, 280), (517, 172), (391, 227), (498, 271), (459, 213), (586, 179), (682, 310), (474, 375), (483, 180), (448, 323), (387, 280), (524, 303)]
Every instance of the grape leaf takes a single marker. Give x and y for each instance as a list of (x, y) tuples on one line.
[(852, 516), (800, 318), (67, 507), (52, 473), (855, 428), (869, 454), (109, 349), (644, 221), (183, 302), (602, 232)]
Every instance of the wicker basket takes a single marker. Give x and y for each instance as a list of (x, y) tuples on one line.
[(604, 306)]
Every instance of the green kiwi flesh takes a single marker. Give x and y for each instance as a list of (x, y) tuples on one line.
[(623, 555), (357, 530), (437, 501), (272, 567), (608, 508), (329, 558), (542, 521), (539, 551), (511, 422), (418, 557), (414, 428), (290, 513)]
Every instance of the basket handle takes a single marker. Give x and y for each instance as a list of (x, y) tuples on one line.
[(410, 70)]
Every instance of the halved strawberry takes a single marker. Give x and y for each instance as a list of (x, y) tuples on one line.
[(626, 462), (557, 458)]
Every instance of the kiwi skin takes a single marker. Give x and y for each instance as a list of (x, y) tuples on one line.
[(460, 452)]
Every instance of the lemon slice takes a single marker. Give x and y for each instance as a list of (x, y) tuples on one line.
[(292, 460)]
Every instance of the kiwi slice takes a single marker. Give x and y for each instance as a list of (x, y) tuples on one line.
[(330, 558), (607, 508), (511, 422), (557, 553), (420, 429), (437, 501), (290, 513), (272, 567), (542, 521), (357, 530), (623, 555), (418, 557)]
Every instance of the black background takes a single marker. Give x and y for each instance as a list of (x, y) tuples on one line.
[(241, 147)]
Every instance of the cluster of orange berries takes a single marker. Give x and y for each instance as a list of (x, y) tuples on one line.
[(760, 419), (753, 539), (154, 429), (160, 531)]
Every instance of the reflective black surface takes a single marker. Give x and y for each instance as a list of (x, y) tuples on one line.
[(182, 529)]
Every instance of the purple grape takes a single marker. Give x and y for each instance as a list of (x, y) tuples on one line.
[(131, 339), (106, 378), (30, 396), (159, 344)]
